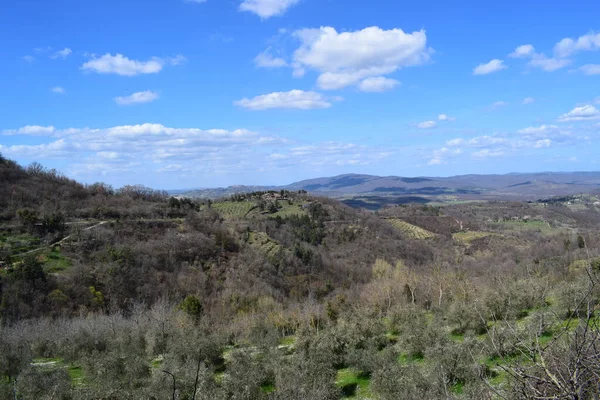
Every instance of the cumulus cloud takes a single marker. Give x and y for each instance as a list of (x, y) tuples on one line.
[(29, 59), (584, 113), (348, 58), (121, 65), (522, 51), (378, 84), (58, 90), (489, 67), (267, 8), (568, 46), (137, 98), (64, 53), (137, 149), (590, 69), (427, 125), (294, 99)]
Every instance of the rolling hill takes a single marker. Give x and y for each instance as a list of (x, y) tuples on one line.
[(360, 190)]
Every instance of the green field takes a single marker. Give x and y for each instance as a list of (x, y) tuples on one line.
[(412, 231), (468, 237), (18, 244), (234, 208)]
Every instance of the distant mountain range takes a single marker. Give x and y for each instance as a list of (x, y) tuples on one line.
[(515, 186)]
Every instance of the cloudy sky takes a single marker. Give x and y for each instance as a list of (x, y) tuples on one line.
[(202, 93)]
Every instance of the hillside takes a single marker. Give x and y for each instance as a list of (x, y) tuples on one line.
[(129, 293), (374, 191)]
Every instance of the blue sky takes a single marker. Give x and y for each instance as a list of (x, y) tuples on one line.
[(175, 94)]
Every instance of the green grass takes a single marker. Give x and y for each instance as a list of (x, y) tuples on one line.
[(18, 244), (55, 261), (288, 341), (287, 209), (412, 231), (410, 359), (468, 237), (353, 384), (75, 372), (268, 388), (234, 208), (458, 388)]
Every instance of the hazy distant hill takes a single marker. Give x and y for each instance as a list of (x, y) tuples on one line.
[(515, 186)]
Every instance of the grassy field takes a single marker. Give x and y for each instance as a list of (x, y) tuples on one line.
[(234, 208), (412, 231), (468, 237), (54, 261), (18, 244)]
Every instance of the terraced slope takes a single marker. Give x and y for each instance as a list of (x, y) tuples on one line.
[(412, 231)]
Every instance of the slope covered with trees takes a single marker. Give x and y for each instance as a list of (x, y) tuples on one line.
[(117, 294)]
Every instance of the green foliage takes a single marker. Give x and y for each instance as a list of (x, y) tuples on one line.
[(192, 306)]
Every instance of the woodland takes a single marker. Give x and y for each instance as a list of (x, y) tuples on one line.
[(133, 294)]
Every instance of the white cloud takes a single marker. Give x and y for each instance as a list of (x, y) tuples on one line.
[(195, 1), (29, 59), (121, 65), (294, 99), (584, 113), (267, 8), (444, 117), (548, 64), (173, 168), (137, 98), (347, 58), (378, 84), (490, 67), (440, 156), (32, 130), (266, 60), (427, 125), (64, 53), (528, 100), (128, 152), (111, 155), (567, 47), (499, 104), (58, 90), (525, 50), (537, 130), (590, 69), (485, 153)]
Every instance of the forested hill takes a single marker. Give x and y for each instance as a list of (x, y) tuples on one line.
[(278, 295), (530, 186)]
